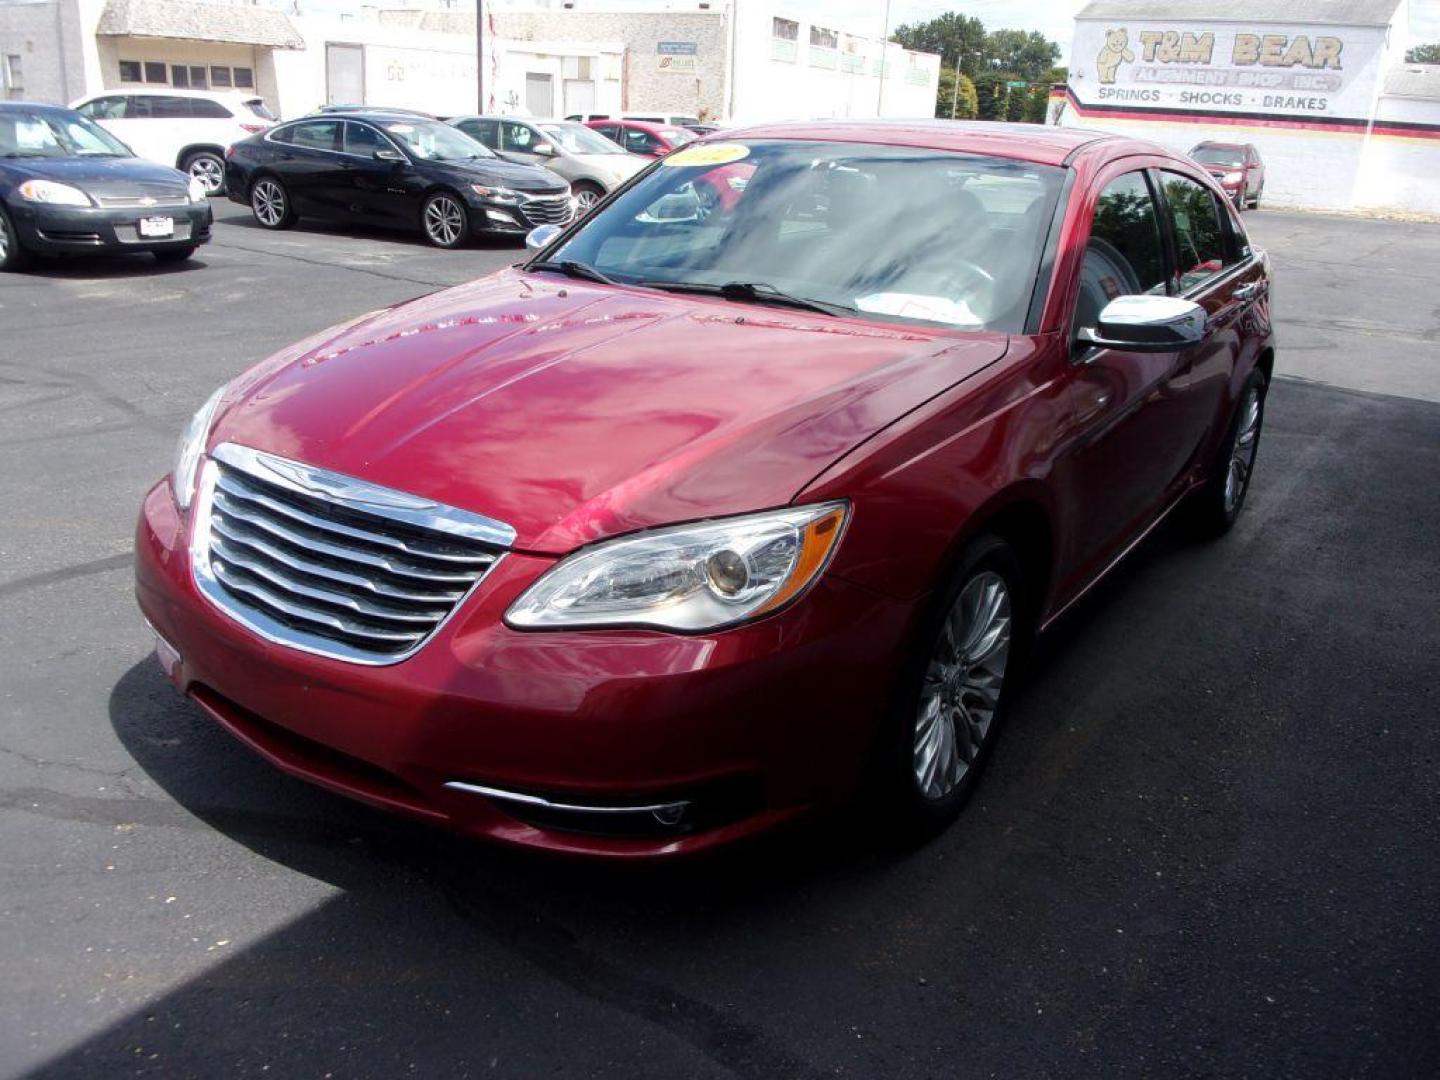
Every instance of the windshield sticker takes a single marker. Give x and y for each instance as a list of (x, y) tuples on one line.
[(710, 154)]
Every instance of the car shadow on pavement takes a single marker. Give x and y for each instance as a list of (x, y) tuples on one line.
[(98, 267), (362, 231)]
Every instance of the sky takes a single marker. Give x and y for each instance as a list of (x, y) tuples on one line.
[(1053, 18)]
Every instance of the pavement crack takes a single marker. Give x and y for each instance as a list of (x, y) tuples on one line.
[(330, 264), (66, 573)]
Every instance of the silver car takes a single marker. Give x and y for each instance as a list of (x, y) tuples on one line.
[(592, 163)]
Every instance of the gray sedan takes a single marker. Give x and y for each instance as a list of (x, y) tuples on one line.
[(592, 163)]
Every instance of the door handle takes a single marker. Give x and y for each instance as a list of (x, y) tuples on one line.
[(1249, 291)]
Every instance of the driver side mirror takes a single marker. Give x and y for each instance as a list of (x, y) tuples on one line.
[(390, 155), (545, 149), (1147, 324)]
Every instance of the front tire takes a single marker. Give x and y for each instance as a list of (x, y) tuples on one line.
[(208, 168), (13, 257), (587, 197), (1219, 502), (445, 220), (953, 694), (270, 203)]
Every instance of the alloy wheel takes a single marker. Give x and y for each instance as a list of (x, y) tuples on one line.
[(962, 685), (268, 202), (4, 240), (210, 173), (585, 199), (444, 220), (1242, 454)]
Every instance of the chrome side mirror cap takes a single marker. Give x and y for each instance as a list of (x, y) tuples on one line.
[(1148, 324), (394, 156), (541, 235)]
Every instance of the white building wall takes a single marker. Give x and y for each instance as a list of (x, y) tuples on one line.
[(1401, 166), (55, 41)]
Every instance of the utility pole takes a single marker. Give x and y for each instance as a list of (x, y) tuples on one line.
[(480, 55), (955, 97), (884, 49)]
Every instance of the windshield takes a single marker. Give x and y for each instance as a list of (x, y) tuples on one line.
[(575, 139), (430, 140), (259, 108), (37, 134), (1220, 155), (894, 233), (677, 136)]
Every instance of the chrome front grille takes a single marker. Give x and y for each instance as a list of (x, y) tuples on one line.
[(330, 564), (546, 209), (143, 202)]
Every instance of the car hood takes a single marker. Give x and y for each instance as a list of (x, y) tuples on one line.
[(575, 412), (502, 173), (622, 165), (105, 177)]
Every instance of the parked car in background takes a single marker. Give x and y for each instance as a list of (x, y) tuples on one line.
[(593, 164), (689, 525), (1237, 167), (702, 129), (185, 129), (642, 137), (325, 110), (401, 171), (69, 187), (664, 119)]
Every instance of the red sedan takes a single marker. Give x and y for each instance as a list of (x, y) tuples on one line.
[(642, 137), (697, 522)]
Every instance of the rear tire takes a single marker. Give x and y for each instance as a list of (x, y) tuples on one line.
[(1218, 503), (173, 255), (13, 257), (270, 203), (953, 694), (208, 168)]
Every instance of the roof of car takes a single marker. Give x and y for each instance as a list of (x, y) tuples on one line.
[(31, 106), (1038, 143), (644, 125), (145, 91)]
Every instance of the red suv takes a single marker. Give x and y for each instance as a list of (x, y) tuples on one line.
[(642, 137), (696, 522), (1237, 167)]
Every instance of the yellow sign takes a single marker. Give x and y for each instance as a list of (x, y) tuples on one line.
[(708, 154)]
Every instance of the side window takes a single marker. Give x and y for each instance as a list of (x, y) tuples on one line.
[(486, 132), (204, 108), (1124, 256), (1200, 248), (518, 138), (105, 108), (363, 140), (610, 131), (641, 142), (316, 135), (284, 134), (168, 108)]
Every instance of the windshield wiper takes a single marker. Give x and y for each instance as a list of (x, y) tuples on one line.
[(24, 154), (571, 268), (754, 292)]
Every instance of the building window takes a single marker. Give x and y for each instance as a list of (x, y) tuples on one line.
[(11, 77), (198, 79), (155, 72), (820, 38), (244, 78), (784, 29), (219, 76), (130, 71), (179, 75)]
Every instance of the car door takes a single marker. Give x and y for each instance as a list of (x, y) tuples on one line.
[(483, 130), (1254, 172), (376, 189), (1216, 270), (309, 165), (639, 141), (1130, 445), (518, 141)]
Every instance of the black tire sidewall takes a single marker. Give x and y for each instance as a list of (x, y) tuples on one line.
[(464, 219), (17, 258), (190, 160), (1213, 514), (907, 815)]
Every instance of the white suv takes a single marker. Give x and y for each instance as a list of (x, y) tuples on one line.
[(188, 130)]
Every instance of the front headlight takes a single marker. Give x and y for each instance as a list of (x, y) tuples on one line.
[(688, 578), (495, 194), (1232, 178), (189, 449), (48, 191), (197, 191)]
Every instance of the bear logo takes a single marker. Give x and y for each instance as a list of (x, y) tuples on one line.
[(1116, 48)]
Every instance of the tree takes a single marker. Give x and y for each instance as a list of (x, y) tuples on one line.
[(1020, 54), (1037, 105), (1015, 104), (963, 103), (1424, 54), (991, 94), (952, 36)]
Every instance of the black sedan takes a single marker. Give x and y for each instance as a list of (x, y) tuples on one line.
[(67, 186), (385, 169)]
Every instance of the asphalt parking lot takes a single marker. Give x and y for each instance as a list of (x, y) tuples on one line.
[(1206, 845)]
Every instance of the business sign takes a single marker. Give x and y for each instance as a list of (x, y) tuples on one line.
[(1301, 71), (678, 57)]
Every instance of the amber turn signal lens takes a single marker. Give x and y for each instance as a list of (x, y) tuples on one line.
[(817, 541)]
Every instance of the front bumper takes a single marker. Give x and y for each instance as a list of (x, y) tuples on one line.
[(488, 217), (59, 230), (746, 728)]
